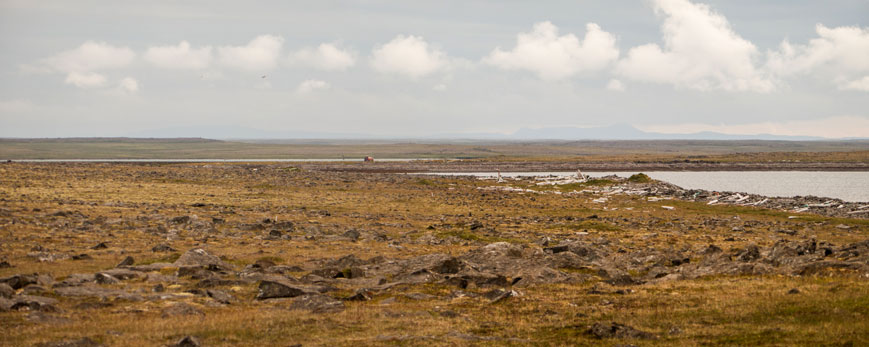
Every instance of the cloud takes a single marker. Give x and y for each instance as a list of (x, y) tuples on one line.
[(312, 85), (16, 106), (860, 84), (439, 87), (701, 51), (179, 57), (615, 85), (80, 64), (90, 56), (260, 53), (408, 55), (85, 79), (326, 56), (840, 54), (129, 84), (554, 57), (833, 127)]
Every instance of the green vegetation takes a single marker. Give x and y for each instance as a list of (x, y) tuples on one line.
[(639, 178)]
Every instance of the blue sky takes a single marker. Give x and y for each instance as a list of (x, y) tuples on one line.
[(422, 68)]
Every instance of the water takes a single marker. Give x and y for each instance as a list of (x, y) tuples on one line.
[(848, 185)]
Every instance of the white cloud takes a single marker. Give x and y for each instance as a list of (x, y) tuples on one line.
[(129, 84), (860, 84), (439, 87), (90, 56), (840, 54), (179, 57), (701, 51), (260, 53), (833, 127), (408, 55), (85, 79), (554, 57), (615, 85), (326, 56), (312, 85)]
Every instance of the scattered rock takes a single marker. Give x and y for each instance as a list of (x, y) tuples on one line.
[(220, 296), (617, 330), (187, 341), (280, 288), (126, 262), (794, 291), (162, 248), (101, 245), (82, 256), (317, 303), (6, 291)]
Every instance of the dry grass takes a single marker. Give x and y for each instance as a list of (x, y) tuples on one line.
[(830, 309)]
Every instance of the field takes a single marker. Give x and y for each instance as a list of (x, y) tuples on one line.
[(282, 254), (600, 151)]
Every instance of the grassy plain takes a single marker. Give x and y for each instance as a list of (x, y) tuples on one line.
[(131, 207), (659, 150)]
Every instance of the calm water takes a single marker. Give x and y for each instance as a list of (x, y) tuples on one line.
[(848, 186)]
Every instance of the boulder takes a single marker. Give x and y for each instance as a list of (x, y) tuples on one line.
[(617, 330), (283, 288)]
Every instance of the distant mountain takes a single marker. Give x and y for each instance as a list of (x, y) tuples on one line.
[(613, 132)]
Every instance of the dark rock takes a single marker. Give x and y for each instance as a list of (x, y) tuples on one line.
[(498, 295), (449, 266), (180, 220), (794, 291), (557, 249), (20, 281), (751, 253), (476, 225), (103, 278), (34, 303), (361, 295), (317, 303), (101, 245), (352, 234), (623, 280), (181, 309), (5, 264), (81, 257), (126, 262), (280, 288), (158, 288), (619, 331), (187, 341)]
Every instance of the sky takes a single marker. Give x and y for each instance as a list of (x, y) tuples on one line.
[(428, 68)]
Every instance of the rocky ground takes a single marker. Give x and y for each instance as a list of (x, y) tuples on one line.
[(265, 254)]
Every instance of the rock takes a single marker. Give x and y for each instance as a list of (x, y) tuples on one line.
[(220, 296), (5, 304), (122, 274), (6, 291), (180, 220), (280, 288), (126, 262), (103, 278), (449, 266), (556, 249), (96, 292), (199, 257), (498, 295), (187, 341), (794, 291), (162, 248), (5, 264), (619, 331), (352, 234), (623, 280), (34, 303), (82, 342), (82, 256), (317, 303), (751, 253), (181, 309), (101, 245)]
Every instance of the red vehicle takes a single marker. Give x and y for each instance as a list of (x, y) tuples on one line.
[(369, 159)]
